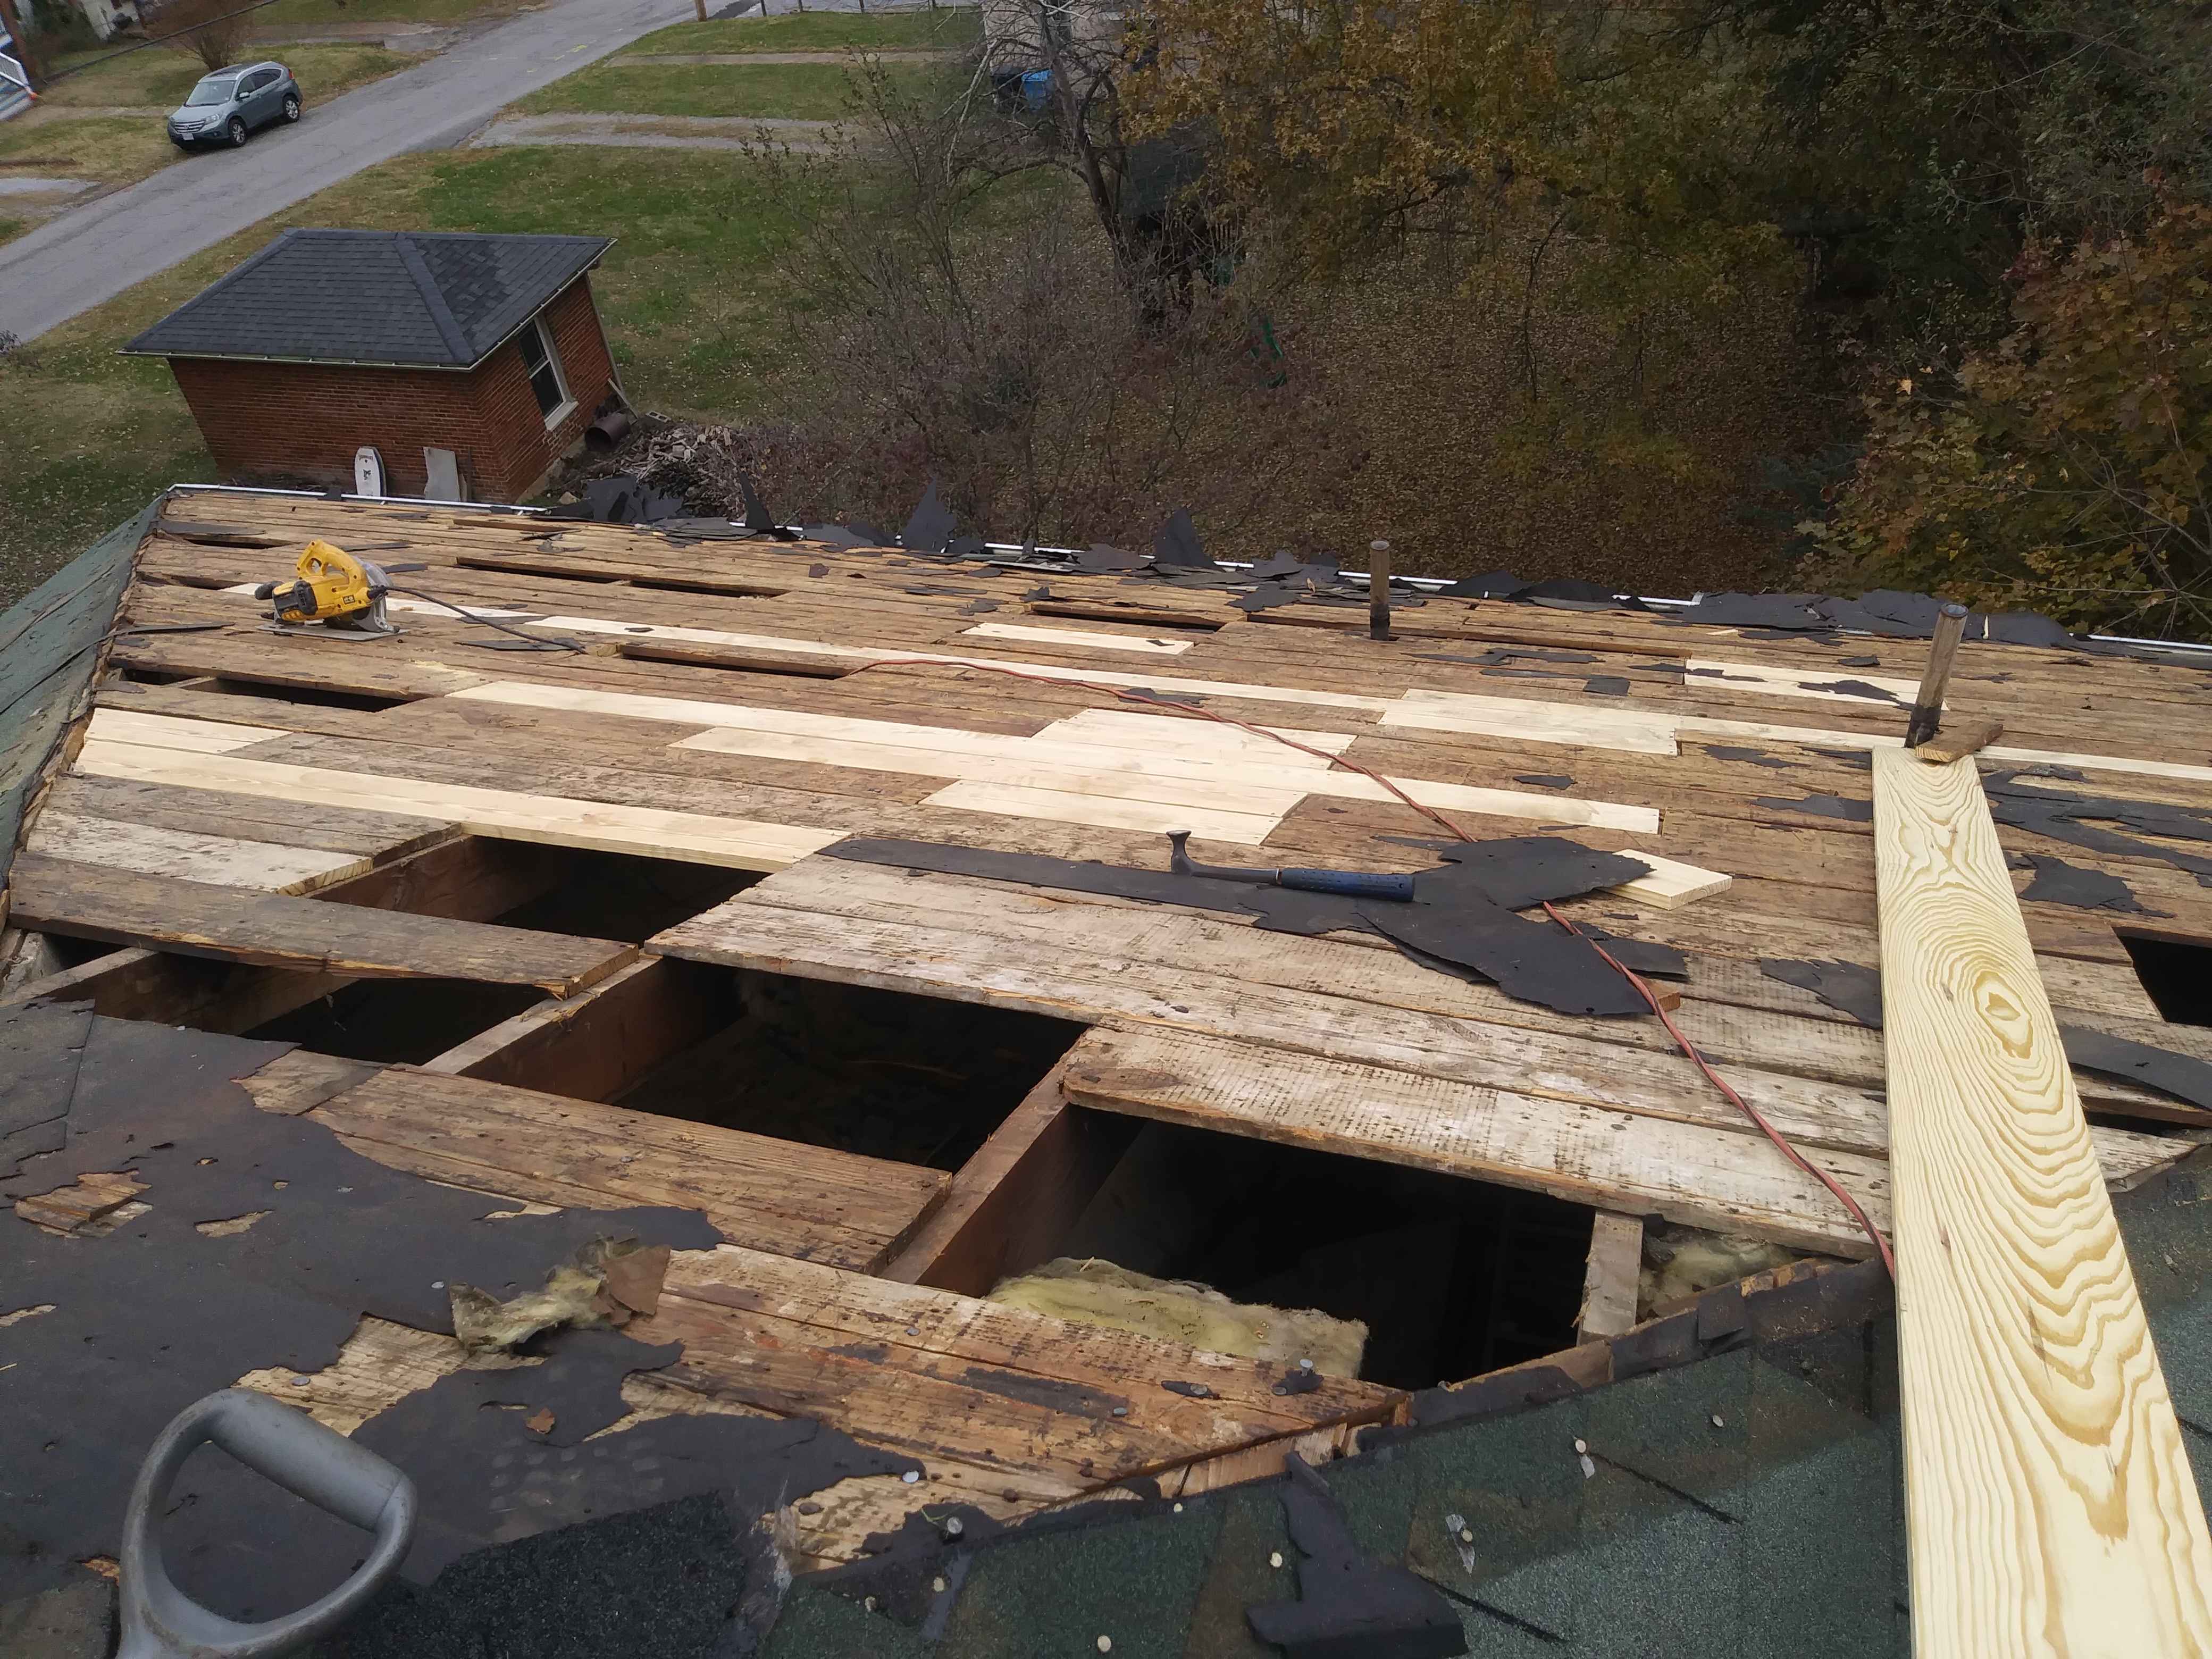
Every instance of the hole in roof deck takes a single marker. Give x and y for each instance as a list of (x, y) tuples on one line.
[(879, 1073), (1452, 1277), (397, 1022), (76, 952), (621, 896), (320, 696), (597, 895), (2176, 974)]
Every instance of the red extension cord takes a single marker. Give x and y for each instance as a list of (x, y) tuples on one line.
[(1161, 705)]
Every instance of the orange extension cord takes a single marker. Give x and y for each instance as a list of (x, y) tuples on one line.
[(1159, 704)]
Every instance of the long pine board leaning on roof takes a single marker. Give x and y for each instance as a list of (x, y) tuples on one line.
[(2049, 1495), (274, 930)]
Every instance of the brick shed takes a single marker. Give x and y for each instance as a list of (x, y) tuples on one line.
[(485, 348)]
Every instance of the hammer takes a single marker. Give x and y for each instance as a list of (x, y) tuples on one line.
[(1352, 883), (1928, 707)]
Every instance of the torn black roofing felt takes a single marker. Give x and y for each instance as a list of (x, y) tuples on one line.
[(1177, 546), (1346, 1604), (2058, 882), (621, 499), (1461, 921), (930, 526), (150, 1319), (2075, 819), (397, 298), (1821, 806)]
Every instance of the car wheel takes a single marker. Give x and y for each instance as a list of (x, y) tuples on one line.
[(236, 132), (291, 107)]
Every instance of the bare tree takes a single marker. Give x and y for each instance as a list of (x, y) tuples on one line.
[(966, 322), (205, 29)]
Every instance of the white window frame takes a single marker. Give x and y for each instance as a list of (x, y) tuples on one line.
[(568, 404)]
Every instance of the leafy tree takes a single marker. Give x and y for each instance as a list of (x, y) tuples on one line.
[(2066, 469)]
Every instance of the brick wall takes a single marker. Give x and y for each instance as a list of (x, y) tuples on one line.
[(301, 422)]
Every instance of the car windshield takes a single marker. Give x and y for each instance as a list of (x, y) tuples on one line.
[(213, 91)]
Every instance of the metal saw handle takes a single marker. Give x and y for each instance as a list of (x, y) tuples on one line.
[(289, 1447)]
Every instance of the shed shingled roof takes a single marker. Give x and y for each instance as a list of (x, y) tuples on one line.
[(414, 299)]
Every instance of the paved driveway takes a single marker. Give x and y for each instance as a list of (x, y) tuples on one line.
[(80, 259)]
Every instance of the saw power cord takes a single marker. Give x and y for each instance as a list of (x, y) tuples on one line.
[(1160, 704), (541, 642)]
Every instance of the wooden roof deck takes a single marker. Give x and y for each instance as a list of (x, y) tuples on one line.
[(229, 773)]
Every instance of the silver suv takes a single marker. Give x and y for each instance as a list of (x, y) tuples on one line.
[(225, 107)]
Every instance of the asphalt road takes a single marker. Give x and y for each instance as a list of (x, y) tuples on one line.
[(80, 259)]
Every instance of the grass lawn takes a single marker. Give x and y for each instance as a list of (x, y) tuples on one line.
[(949, 28), (380, 11), (110, 148), (160, 76), (688, 295), (806, 92)]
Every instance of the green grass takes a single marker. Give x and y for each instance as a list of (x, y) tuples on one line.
[(114, 149), (688, 294), (162, 78), (949, 28), (310, 12), (13, 228), (805, 91)]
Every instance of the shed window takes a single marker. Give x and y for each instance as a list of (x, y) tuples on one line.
[(542, 364)]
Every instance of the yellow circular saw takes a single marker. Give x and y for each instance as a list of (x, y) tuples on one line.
[(333, 587)]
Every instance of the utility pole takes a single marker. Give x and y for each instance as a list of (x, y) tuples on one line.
[(22, 46)]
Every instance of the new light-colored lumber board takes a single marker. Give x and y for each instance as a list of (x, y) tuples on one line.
[(2050, 1505), (273, 930), (167, 732), (1814, 681), (1177, 758), (1085, 639), (779, 1196), (557, 821), (1672, 884)]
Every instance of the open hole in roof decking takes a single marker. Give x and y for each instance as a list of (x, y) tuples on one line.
[(1452, 1277), (909, 1078), (2176, 972)]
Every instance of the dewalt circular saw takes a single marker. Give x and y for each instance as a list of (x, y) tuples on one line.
[(334, 588)]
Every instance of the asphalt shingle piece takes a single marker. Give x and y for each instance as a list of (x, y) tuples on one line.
[(409, 299), (1676, 1433), (1133, 1582), (1517, 1484), (1252, 1537), (819, 1624)]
